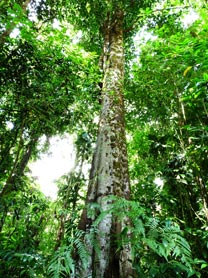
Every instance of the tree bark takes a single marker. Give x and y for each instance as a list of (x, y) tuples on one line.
[(109, 171)]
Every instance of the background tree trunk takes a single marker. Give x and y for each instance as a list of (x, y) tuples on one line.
[(19, 166), (109, 171)]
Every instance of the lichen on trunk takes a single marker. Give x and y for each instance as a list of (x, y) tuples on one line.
[(109, 171)]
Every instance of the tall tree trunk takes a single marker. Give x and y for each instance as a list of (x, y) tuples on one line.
[(109, 171)]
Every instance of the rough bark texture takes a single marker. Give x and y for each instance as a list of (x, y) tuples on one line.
[(109, 172)]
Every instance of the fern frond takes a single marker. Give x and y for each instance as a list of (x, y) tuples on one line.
[(61, 263)]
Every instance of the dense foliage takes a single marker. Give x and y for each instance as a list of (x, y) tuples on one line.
[(50, 84)]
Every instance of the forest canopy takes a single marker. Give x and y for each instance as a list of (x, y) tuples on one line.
[(141, 68)]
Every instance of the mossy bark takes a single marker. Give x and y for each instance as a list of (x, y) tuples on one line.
[(109, 172)]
